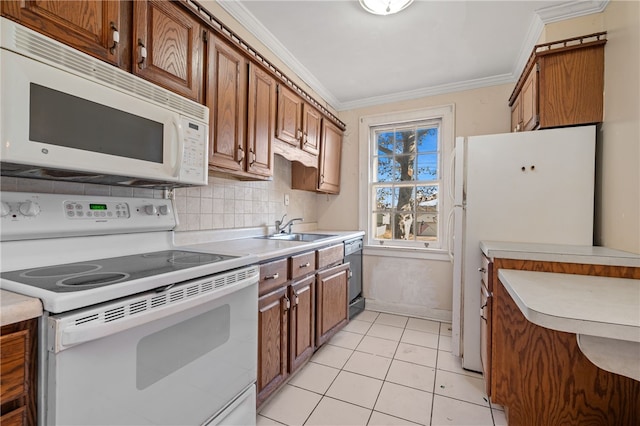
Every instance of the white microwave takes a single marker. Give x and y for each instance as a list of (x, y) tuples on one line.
[(68, 116)]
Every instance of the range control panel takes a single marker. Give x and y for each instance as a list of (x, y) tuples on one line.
[(32, 215)]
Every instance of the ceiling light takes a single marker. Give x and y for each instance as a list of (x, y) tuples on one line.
[(384, 7)]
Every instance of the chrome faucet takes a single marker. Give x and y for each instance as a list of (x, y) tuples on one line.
[(280, 227)]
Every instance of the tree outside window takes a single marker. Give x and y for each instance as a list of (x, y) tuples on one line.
[(406, 183)]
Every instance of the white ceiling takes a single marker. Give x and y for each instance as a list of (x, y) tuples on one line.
[(354, 59)]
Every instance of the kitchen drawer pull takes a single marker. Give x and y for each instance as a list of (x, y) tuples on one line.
[(272, 277), (305, 265), (142, 53), (288, 302), (115, 37)]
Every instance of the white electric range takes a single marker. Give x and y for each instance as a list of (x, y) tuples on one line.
[(135, 330)]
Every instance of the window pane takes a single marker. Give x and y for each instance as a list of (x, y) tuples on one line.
[(384, 198), (405, 198), (427, 227), (382, 226), (427, 167), (404, 226), (427, 139), (405, 142), (385, 143), (405, 167), (385, 170), (427, 198)]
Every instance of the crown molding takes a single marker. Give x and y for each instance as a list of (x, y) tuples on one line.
[(569, 10), (255, 27)]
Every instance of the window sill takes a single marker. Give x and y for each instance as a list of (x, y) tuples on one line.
[(407, 252)]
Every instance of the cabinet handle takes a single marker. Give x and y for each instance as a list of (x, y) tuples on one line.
[(299, 134), (241, 155), (288, 303), (142, 53), (483, 270), (322, 179), (304, 138), (295, 300), (115, 37), (305, 265), (482, 316), (253, 157), (272, 277)]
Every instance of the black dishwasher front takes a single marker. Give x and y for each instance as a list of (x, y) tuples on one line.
[(353, 255)]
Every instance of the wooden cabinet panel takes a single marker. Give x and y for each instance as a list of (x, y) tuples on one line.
[(273, 324), (302, 322), (18, 372), (547, 380), (529, 101), (272, 275), (289, 116), (330, 157), (330, 255), (226, 99), (516, 115), (167, 47), (261, 120), (311, 130), (486, 302), (303, 264), (87, 25), (332, 296)]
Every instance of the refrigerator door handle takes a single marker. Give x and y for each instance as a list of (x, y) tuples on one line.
[(452, 176), (450, 234)]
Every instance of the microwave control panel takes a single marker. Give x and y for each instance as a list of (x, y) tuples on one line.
[(194, 155)]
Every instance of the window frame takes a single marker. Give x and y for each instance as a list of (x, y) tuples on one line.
[(445, 114)]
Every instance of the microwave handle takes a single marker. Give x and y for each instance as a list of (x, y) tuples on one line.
[(180, 145)]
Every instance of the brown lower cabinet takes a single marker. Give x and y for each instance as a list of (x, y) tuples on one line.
[(302, 303), (18, 375), (540, 375)]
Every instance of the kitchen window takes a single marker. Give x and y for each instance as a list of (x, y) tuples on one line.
[(406, 191)]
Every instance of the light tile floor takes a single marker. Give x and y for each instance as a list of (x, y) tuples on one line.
[(384, 369)]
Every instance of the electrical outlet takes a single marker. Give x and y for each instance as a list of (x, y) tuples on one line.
[(286, 199)]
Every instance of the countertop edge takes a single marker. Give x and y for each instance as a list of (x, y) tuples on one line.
[(569, 325), (17, 308)]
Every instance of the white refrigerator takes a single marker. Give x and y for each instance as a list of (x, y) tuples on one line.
[(533, 187)]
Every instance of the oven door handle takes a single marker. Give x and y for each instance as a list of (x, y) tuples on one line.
[(67, 334)]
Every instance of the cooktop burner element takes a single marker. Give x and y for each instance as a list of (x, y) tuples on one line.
[(102, 272)]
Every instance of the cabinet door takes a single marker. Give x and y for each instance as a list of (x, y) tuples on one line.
[(332, 296), (226, 99), (311, 122), (302, 319), (516, 115), (529, 99), (486, 304), (167, 47), (330, 154), (272, 341), (261, 120), (87, 25), (289, 116)]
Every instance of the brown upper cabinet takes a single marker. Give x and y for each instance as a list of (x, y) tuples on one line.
[(242, 99), (561, 85), (298, 123), (167, 46), (91, 26)]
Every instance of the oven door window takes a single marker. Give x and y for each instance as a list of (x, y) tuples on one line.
[(180, 369)]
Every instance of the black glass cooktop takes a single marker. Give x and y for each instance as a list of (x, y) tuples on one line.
[(101, 272)]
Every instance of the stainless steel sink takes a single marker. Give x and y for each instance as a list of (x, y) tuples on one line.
[(297, 237)]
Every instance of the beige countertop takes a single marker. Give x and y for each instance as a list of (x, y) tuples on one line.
[(603, 312), (591, 255), (16, 307)]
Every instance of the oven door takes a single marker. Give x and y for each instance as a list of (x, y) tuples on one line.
[(182, 362)]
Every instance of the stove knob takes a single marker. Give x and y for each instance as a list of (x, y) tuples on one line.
[(5, 209), (150, 209), (163, 209), (29, 208)]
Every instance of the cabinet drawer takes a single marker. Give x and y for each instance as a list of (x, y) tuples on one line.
[(272, 275), (303, 264), (330, 255), (12, 368), (16, 417)]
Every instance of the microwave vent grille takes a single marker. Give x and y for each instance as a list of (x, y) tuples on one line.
[(40, 47)]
